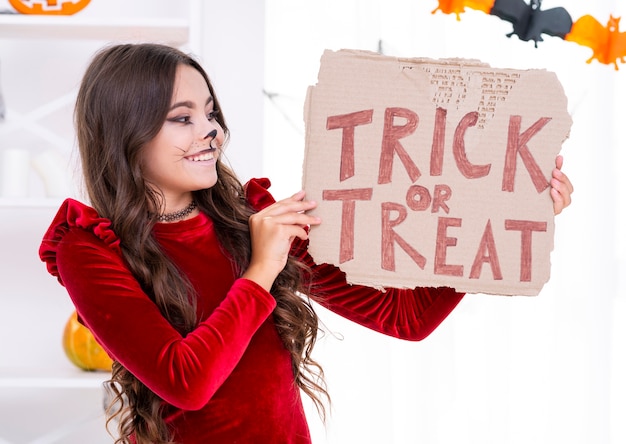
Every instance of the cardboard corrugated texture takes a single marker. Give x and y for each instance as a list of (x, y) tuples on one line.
[(433, 172)]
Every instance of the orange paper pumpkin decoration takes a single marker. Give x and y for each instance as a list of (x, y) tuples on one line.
[(81, 347), (48, 7)]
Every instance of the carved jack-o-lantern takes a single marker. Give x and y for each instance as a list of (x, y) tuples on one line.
[(49, 7)]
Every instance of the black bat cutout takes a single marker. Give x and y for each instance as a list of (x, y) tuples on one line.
[(529, 21)]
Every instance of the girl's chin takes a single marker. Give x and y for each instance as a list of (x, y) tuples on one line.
[(207, 184)]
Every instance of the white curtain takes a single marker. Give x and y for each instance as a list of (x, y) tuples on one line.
[(545, 369)]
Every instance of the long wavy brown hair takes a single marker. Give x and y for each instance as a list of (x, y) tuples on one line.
[(122, 103)]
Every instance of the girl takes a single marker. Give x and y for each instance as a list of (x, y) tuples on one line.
[(198, 287)]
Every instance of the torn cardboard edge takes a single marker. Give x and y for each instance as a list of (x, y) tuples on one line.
[(433, 172)]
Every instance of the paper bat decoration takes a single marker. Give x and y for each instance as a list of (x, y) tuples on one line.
[(458, 6), (607, 43), (530, 21)]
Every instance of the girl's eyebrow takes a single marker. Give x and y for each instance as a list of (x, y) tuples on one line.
[(189, 104)]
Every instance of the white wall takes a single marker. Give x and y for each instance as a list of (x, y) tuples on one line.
[(548, 369), (231, 36)]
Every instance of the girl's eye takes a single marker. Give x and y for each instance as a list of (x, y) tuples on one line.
[(180, 119), (213, 114)]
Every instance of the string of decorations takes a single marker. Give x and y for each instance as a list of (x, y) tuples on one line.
[(530, 22)]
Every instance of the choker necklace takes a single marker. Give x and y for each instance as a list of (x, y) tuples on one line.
[(178, 215)]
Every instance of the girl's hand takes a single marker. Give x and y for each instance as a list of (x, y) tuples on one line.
[(561, 187), (272, 231)]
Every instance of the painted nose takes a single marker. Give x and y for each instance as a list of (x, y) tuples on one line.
[(212, 134)]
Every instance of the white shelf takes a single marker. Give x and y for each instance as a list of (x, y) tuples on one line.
[(51, 378), (30, 202), (17, 26)]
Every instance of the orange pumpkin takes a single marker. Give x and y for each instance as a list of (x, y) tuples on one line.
[(81, 347), (51, 6)]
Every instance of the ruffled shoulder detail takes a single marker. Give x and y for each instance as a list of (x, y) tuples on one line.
[(257, 193), (74, 214)]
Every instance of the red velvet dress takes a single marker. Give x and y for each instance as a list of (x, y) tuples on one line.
[(230, 380)]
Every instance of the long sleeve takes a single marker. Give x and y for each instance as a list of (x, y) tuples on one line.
[(184, 371), (410, 314)]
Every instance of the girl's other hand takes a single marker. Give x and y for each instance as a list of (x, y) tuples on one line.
[(562, 188)]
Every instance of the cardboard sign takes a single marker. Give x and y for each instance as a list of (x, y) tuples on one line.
[(433, 172)]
